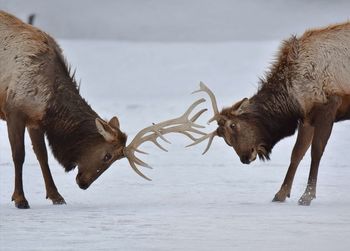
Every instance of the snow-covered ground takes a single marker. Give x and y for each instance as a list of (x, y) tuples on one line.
[(194, 202)]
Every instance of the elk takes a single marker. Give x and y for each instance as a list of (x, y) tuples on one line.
[(307, 89), (38, 92)]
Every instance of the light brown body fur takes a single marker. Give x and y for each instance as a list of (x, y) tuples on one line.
[(322, 66), (21, 44), (307, 87), (38, 93)]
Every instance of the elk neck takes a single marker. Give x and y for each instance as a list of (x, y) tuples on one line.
[(69, 121), (274, 106)]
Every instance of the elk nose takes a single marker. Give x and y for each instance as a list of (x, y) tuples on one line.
[(245, 159), (82, 184)]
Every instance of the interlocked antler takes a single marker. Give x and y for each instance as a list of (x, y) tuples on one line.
[(182, 124), (204, 88)]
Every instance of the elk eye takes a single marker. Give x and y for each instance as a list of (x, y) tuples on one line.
[(233, 126), (107, 157)]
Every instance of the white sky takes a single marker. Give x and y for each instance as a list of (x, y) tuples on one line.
[(181, 20)]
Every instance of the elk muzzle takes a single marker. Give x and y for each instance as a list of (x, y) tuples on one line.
[(82, 183), (85, 179), (248, 157)]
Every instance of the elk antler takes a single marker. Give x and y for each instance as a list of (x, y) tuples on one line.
[(204, 88), (182, 124)]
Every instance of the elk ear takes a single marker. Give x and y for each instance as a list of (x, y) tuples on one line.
[(114, 123), (240, 106), (105, 130)]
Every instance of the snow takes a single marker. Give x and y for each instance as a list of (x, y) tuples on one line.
[(194, 202)]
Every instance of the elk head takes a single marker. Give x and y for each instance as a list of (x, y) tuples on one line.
[(103, 154), (239, 129)]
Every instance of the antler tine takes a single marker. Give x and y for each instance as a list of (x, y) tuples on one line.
[(141, 163), (209, 135), (132, 164), (204, 88), (182, 124), (159, 145), (139, 151), (188, 135), (191, 108), (162, 137), (212, 135), (196, 116)]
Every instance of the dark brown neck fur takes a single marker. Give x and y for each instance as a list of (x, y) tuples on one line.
[(274, 108), (69, 122), (276, 112)]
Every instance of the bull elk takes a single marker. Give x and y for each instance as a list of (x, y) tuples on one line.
[(307, 88), (38, 92)]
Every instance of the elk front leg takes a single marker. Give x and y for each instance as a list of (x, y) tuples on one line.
[(38, 142), (322, 119), (305, 133), (16, 128)]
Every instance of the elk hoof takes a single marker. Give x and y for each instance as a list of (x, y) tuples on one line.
[(306, 199), (304, 202), (23, 204), (20, 201), (60, 201), (281, 195), (57, 199), (279, 198)]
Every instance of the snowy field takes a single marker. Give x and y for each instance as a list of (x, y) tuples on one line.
[(194, 202)]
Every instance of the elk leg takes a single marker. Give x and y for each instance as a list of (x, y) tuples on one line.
[(322, 119), (38, 142), (302, 144), (16, 128)]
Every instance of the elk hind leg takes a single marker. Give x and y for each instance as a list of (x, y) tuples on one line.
[(302, 144), (39, 147)]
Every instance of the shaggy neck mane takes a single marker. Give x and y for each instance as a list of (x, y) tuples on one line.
[(69, 122), (276, 113), (274, 108)]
